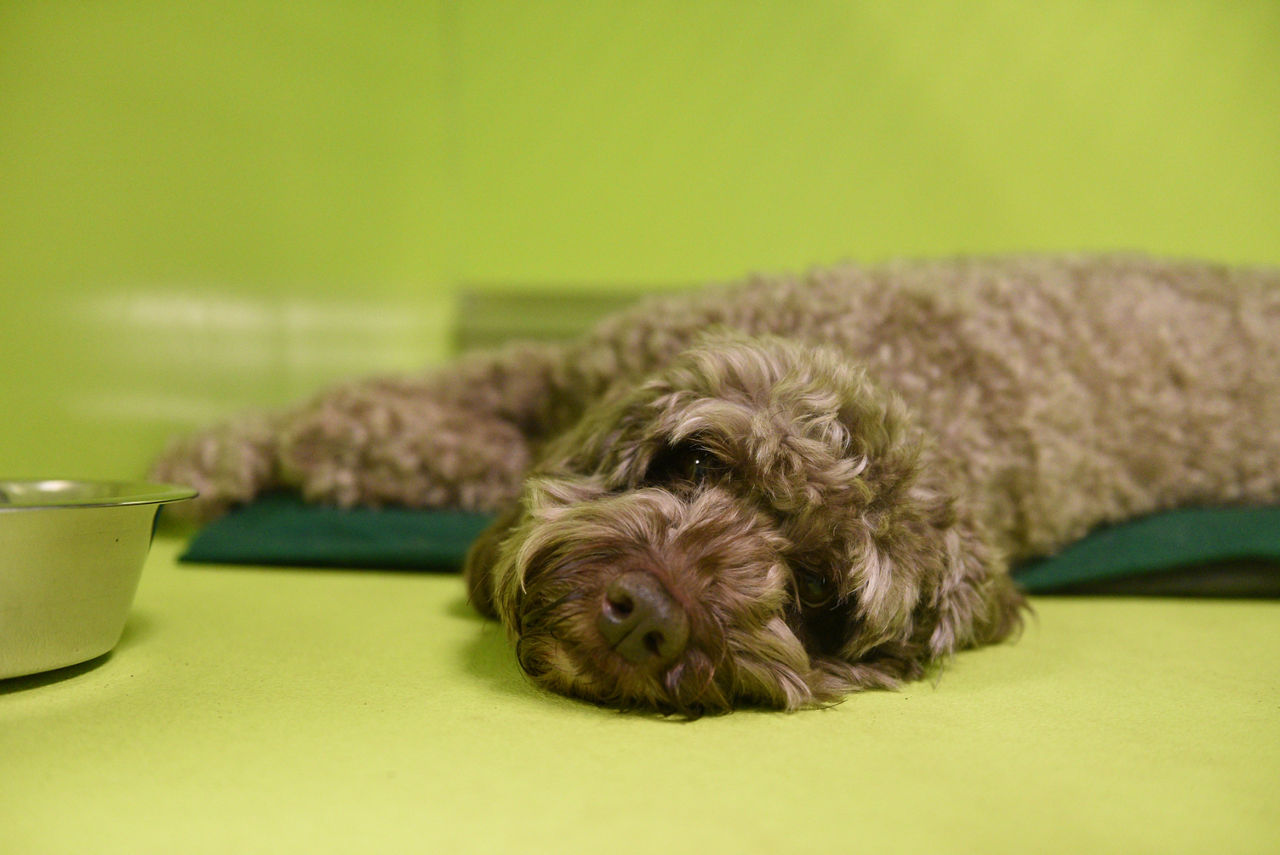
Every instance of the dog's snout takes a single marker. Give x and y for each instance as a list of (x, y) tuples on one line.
[(641, 621)]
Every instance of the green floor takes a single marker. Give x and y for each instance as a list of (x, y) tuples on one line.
[(285, 710)]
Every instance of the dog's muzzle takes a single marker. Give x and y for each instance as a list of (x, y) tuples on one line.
[(642, 622)]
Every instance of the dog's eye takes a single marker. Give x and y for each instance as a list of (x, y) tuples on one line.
[(685, 462), (815, 590)]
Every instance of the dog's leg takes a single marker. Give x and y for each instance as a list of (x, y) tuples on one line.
[(228, 465), (458, 437)]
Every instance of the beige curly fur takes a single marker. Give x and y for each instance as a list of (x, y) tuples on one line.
[(827, 476)]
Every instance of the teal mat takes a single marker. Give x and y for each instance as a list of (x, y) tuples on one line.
[(1202, 551), (282, 529), (1166, 541)]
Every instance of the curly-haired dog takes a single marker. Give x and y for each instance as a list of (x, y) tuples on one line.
[(778, 492)]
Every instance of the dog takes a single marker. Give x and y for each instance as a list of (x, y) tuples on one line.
[(777, 492)]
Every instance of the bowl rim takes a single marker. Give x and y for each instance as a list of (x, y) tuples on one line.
[(95, 493)]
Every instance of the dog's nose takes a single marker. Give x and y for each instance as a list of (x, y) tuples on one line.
[(642, 621)]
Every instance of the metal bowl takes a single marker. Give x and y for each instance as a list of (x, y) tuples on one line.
[(71, 553)]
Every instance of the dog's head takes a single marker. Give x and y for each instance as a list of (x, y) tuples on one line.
[(757, 524)]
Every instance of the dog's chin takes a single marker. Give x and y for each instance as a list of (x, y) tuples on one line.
[(691, 687)]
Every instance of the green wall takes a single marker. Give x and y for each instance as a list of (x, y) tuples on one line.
[(211, 206), (690, 140)]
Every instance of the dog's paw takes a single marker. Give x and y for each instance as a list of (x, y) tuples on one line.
[(375, 444), (228, 465)]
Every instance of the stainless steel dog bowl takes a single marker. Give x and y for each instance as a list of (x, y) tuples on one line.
[(71, 553)]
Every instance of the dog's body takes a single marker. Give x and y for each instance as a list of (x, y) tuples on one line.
[(784, 490)]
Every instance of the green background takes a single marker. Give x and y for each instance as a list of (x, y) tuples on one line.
[(205, 207), (210, 206)]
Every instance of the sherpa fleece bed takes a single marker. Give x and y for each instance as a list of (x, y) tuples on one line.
[(1198, 551)]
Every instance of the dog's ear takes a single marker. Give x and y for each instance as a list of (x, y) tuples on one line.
[(482, 557), (969, 600), (935, 543), (928, 585), (926, 578), (489, 568)]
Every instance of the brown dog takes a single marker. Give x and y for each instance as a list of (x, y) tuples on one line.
[(778, 492)]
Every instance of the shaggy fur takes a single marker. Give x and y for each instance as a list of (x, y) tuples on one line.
[(829, 475)]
